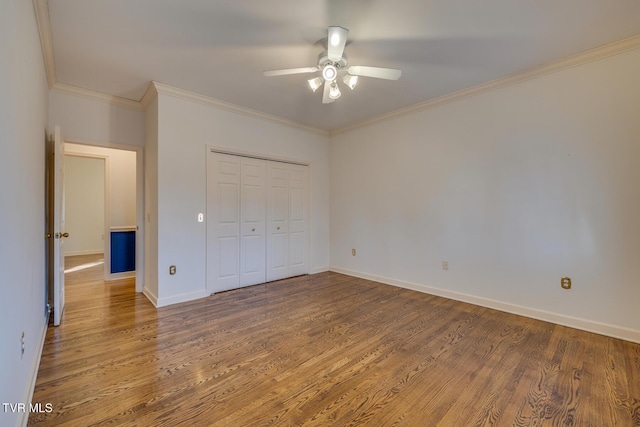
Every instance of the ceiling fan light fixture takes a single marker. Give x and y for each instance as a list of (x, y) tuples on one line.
[(333, 64), (334, 91), (315, 83), (350, 81), (329, 72)]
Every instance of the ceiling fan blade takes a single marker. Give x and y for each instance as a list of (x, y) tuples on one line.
[(325, 94), (377, 72), (274, 73), (335, 43)]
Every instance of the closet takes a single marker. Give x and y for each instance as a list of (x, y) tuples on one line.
[(257, 221)]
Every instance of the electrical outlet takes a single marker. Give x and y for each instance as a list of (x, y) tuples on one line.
[(172, 270), (22, 345), (565, 282), (445, 265), (353, 252), (200, 217)]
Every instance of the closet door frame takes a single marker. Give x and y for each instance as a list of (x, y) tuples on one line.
[(211, 150)]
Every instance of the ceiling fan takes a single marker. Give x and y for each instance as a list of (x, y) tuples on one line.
[(333, 65)]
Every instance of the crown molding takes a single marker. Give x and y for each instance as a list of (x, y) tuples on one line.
[(110, 99), (41, 9), (43, 22), (164, 89), (594, 54), (149, 95)]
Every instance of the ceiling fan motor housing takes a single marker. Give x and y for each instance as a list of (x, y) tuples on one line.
[(323, 59)]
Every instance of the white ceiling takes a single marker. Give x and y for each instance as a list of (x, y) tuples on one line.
[(219, 48)]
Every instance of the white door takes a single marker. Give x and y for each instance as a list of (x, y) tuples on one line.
[(298, 220), (59, 232), (257, 221), (277, 221), (223, 222), (253, 214)]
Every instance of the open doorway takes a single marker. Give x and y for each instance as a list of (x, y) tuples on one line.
[(101, 212), (85, 205)]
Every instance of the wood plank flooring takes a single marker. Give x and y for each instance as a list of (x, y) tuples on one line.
[(324, 350)]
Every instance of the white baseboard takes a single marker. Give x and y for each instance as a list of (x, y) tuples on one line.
[(24, 417), (162, 302), (559, 319), (319, 270), (150, 296), (90, 252), (119, 276)]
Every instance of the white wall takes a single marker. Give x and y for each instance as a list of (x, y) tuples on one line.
[(95, 121), (121, 172), (97, 127), (83, 121), (84, 179), (185, 129), (151, 202), (23, 121), (122, 188), (514, 188)]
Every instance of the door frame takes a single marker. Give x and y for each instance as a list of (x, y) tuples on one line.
[(140, 223), (209, 149)]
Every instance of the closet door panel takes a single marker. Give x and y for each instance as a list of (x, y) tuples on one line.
[(278, 252), (253, 213), (227, 204), (277, 221), (297, 255), (228, 259), (298, 220), (223, 221)]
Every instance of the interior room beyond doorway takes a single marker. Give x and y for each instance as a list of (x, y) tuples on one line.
[(100, 203)]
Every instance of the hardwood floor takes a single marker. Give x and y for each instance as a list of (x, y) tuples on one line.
[(324, 350)]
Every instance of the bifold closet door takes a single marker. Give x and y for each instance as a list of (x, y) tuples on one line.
[(277, 221), (236, 243), (287, 220), (223, 222), (253, 217), (298, 220), (257, 221)]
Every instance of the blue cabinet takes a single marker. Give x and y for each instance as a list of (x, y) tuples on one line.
[(123, 251)]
